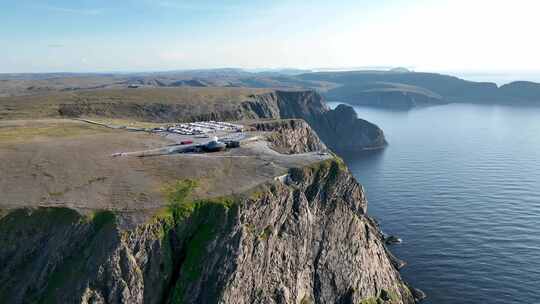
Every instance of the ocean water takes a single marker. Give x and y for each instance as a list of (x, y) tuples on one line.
[(460, 184)]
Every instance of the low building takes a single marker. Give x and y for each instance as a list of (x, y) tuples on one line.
[(214, 146)]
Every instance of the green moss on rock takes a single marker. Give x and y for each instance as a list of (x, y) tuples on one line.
[(73, 269), (306, 300), (200, 222), (265, 234), (371, 300), (384, 297)]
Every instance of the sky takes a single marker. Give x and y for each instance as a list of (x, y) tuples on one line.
[(153, 35)]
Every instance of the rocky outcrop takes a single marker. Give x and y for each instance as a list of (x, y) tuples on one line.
[(394, 98), (306, 105), (306, 239), (344, 262), (152, 111), (290, 136), (189, 83), (343, 131), (287, 104), (340, 129)]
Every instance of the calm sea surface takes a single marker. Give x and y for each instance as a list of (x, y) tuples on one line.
[(460, 184)]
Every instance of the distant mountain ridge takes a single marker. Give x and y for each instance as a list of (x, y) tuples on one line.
[(409, 89), (522, 89), (395, 88)]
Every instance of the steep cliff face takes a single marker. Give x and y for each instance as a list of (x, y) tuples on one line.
[(391, 98), (152, 111), (343, 131), (291, 136), (303, 239), (288, 104), (311, 242), (340, 128), (307, 105)]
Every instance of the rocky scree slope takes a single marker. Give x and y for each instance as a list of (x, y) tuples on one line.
[(340, 129), (305, 238)]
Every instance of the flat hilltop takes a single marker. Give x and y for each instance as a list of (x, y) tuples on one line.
[(199, 100), (127, 196), (70, 163), (54, 155)]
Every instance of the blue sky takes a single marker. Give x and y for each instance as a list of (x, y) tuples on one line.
[(137, 35)]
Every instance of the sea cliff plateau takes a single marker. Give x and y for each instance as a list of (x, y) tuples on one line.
[(276, 220)]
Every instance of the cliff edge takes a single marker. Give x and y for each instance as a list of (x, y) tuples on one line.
[(251, 226), (303, 239), (340, 129)]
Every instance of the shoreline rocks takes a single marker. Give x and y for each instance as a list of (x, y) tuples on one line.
[(392, 240), (418, 294)]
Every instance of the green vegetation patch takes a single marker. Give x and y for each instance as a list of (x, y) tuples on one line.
[(323, 175), (384, 297), (206, 218), (66, 238), (199, 222), (260, 191), (306, 300), (371, 300), (74, 268), (19, 229), (265, 234), (40, 218), (3, 213), (341, 163)]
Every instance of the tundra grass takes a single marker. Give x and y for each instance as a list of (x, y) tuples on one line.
[(47, 130), (125, 122)]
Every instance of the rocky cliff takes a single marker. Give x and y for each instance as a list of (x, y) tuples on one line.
[(386, 95), (303, 238), (343, 131), (291, 136), (340, 128), (410, 88), (307, 105)]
